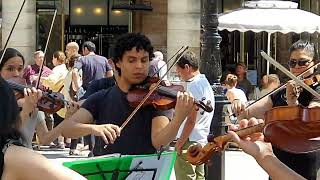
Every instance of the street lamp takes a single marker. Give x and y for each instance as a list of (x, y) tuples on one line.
[(210, 65), (210, 41)]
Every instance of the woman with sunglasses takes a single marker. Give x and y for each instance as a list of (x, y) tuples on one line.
[(301, 59), (16, 161)]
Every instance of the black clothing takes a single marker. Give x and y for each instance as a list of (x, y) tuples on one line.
[(111, 107), (93, 87), (98, 85), (307, 165)]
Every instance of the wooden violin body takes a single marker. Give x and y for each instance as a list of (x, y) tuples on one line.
[(163, 98), (50, 102), (291, 129)]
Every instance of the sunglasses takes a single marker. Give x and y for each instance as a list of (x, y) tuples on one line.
[(301, 62)]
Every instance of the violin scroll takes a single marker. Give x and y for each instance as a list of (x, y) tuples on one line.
[(197, 155)]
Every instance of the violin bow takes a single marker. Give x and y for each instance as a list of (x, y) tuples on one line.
[(166, 63), (45, 49), (13, 26), (289, 74), (277, 89), (153, 89)]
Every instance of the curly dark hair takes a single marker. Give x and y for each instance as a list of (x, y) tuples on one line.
[(128, 41)]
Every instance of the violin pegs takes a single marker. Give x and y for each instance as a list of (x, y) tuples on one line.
[(203, 98), (208, 102)]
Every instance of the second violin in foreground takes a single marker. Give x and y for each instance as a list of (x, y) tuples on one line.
[(291, 129)]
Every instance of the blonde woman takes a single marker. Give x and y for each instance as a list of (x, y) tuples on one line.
[(55, 82), (233, 92), (269, 83)]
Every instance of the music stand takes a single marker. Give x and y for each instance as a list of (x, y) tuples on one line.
[(125, 167)]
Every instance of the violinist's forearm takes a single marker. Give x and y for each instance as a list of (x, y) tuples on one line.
[(75, 79), (75, 130), (277, 170), (164, 132), (49, 136), (257, 110)]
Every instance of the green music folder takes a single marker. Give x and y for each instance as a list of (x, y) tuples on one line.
[(116, 167)]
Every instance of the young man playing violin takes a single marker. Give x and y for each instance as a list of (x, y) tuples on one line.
[(149, 129), (301, 59)]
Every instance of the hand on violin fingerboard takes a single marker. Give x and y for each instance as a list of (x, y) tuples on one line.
[(254, 144), (31, 97), (184, 105), (292, 93)]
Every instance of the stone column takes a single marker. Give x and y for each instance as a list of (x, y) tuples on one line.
[(23, 37), (183, 26)]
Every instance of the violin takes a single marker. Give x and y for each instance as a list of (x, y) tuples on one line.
[(50, 102), (313, 80), (289, 128), (163, 98)]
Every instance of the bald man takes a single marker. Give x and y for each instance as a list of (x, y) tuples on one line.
[(72, 49)]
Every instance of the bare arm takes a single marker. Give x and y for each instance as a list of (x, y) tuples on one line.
[(43, 134), (164, 131), (277, 170), (188, 127), (27, 162), (257, 110), (262, 152), (77, 125), (75, 78)]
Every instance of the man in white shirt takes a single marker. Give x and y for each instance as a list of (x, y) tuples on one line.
[(196, 127)]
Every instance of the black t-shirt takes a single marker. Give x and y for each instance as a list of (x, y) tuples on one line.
[(111, 106), (307, 165), (98, 85)]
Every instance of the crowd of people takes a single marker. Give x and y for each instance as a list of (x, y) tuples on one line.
[(96, 87)]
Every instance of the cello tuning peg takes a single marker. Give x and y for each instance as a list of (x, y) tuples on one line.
[(203, 98), (202, 112), (208, 102)]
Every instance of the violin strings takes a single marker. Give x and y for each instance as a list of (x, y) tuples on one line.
[(150, 92)]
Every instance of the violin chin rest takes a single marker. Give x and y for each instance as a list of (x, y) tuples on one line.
[(293, 136)]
